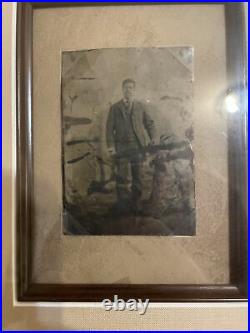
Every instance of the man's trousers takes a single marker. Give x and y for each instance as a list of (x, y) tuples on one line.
[(126, 190)]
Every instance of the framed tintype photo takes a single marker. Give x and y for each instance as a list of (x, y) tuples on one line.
[(131, 152), (135, 173)]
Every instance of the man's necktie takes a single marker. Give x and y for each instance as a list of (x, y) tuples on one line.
[(127, 105)]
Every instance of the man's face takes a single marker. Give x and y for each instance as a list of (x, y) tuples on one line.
[(128, 91)]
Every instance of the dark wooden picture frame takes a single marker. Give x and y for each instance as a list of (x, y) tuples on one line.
[(236, 290)]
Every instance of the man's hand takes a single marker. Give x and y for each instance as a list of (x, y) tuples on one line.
[(111, 151), (152, 143)]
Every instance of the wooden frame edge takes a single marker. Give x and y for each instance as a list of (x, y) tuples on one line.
[(155, 293), (24, 188)]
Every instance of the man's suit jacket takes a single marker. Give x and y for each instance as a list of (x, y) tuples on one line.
[(141, 121)]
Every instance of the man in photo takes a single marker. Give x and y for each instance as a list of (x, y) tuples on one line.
[(127, 124)]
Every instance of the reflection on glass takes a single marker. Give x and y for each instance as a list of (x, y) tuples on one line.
[(231, 103)]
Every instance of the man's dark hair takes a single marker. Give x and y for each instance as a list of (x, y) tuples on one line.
[(128, 81)]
